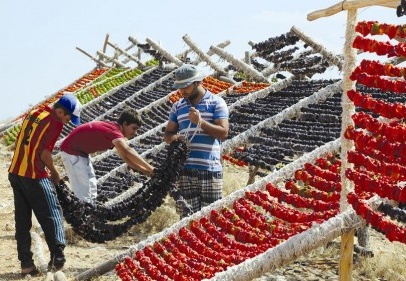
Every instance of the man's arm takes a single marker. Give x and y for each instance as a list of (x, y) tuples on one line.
[(218, 130), (132, 158), (171, 132), (46, 157)]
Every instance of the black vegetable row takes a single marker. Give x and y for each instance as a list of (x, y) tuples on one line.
[(97, 223)]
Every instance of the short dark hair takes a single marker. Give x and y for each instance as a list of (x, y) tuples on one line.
[(58, 105), (131, 116)]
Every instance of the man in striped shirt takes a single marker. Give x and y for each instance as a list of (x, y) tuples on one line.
[(201, 118), (32, 175)]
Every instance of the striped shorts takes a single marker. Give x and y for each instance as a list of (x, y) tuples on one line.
[(200, 188)]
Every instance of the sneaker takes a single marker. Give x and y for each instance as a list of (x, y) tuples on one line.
[(56, 263), (33, 271), (57, 260)]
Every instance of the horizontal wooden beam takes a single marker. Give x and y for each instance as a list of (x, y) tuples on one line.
[(350, 5)]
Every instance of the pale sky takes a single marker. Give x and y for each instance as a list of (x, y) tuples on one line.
[(38, 43)]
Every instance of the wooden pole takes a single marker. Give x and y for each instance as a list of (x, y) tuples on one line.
[(329, 56), (348, 109), (118, 49), (202, 55), (113, 60), (127, 49), (103, 56), (252, 173), (119, 63), (136, 42), (133, 40), (104, 46), (346, 256), (101, 269), (210, 53), (351, 5), (93, 58), (167, 55), (246, 68), (247, 57), (105, 42)]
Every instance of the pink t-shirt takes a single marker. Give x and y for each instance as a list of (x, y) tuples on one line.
[(91, 137)]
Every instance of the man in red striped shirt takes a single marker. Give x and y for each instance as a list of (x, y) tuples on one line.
[(32, 175)]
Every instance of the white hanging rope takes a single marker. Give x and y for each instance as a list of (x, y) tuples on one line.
[(150, 87), (194, 130)]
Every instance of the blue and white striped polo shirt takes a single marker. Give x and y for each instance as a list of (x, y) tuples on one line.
[(204, 149)]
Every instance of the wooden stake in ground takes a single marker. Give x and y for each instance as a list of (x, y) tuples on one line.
[(252, 173), (346, 255)]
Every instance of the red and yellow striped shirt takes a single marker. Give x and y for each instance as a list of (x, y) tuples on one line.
[(40, 131)]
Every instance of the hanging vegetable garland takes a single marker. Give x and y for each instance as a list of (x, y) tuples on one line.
[(379, 156), (95, 223)]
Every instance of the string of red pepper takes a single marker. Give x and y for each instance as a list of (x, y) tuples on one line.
[(379, 47), (374, 147), (391, 230), (379, 160), (376, 28), (394, 131), (300, 202), (392, 170), (309, 192), (384, 109), (229, 236)]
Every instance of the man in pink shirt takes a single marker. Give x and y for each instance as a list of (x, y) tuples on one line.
[(98, 136)]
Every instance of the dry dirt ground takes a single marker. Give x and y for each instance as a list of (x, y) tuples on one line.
[(388, 262)]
